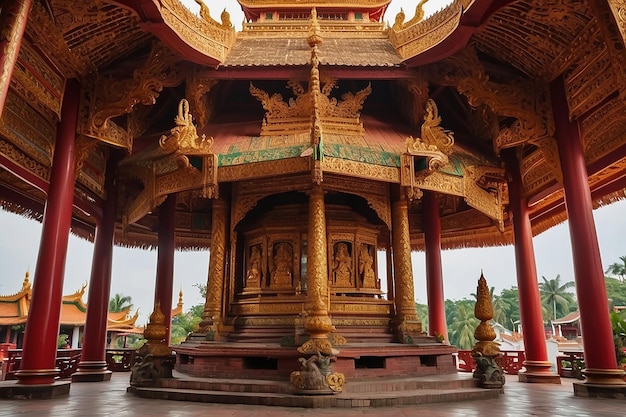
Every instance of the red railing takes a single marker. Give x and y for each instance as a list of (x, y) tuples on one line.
[(570, 365), (67, 362), (511, 361), (118, 360)]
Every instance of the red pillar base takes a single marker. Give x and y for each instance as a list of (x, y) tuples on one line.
[(604, 376), (538, 372), (15, 389), (92, 371), (37, 376), (601, 383)]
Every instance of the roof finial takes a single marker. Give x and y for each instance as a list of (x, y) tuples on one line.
[(314, 37)]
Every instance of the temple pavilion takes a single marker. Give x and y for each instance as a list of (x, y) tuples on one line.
[(312, 151)]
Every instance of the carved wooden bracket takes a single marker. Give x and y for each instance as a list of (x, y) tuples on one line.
[(112, 96), (526, 100)]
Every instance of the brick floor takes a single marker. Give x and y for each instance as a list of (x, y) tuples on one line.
[(110, 399)]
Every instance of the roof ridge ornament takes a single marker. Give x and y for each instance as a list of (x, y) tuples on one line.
[(184, 136), (314, 37)]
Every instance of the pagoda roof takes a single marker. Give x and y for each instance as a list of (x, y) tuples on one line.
[(487, 63), (14, 310), (270, 52)]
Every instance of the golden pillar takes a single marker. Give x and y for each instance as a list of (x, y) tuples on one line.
[(212, 314), (316, 320), (407, 322)]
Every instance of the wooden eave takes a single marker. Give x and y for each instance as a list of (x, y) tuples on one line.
[(150, 15), (471, 20)]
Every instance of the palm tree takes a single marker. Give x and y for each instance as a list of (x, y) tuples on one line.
[(120, 302), (552, 293), (462, 329), (618, 269)]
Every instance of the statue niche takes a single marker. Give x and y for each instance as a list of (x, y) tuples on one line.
[(254, 273), (366, 270), (282, 266), (342, 265)]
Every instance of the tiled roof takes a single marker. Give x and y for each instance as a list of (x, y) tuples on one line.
[(334, 51), (570, 318)]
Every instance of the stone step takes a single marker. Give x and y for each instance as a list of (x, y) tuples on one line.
[(342, 400), (442, 382)]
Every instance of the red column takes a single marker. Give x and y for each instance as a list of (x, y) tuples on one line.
[(536, 363), (93, 365), (165, 260), (42, 326), (434, 274), (588, 273), (13, 23)]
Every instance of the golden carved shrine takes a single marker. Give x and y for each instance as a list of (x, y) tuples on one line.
[(312, 151)]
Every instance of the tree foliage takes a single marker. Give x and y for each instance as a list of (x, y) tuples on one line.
[(461, 330), (556, 297), (120, 302), (616, 291), (618, 269)]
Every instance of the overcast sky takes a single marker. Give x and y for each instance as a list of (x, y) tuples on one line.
[(134, 270)]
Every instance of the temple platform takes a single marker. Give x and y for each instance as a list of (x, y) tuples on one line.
[(377, 374), (367, 392), (356, 360)]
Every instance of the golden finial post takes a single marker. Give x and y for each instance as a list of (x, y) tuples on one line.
[(485, 351), (154, 360)]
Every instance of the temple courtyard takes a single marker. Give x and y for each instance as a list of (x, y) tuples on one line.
[(110, 399)]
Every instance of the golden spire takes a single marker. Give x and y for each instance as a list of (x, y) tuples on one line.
[(26, 283), (314, 39)]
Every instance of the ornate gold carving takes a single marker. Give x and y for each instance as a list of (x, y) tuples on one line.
[(14, 23), (113, 96), (47, 38), (419, 16), (27, 129), (415, 108), (407, 322), (434, 137), (482, 188), (213, 314), (483, 310), (335, 116), (437, 181), (432, 150), (360, 169), (206, 35), (420, 35), (376, 193), (263, 169), (525, 100), (184, 137), (613, 28), (45, 85), (197, 86), (618, 9), (16, 155), (315, 317), (156, 332), (90, 164), (551, 157)]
